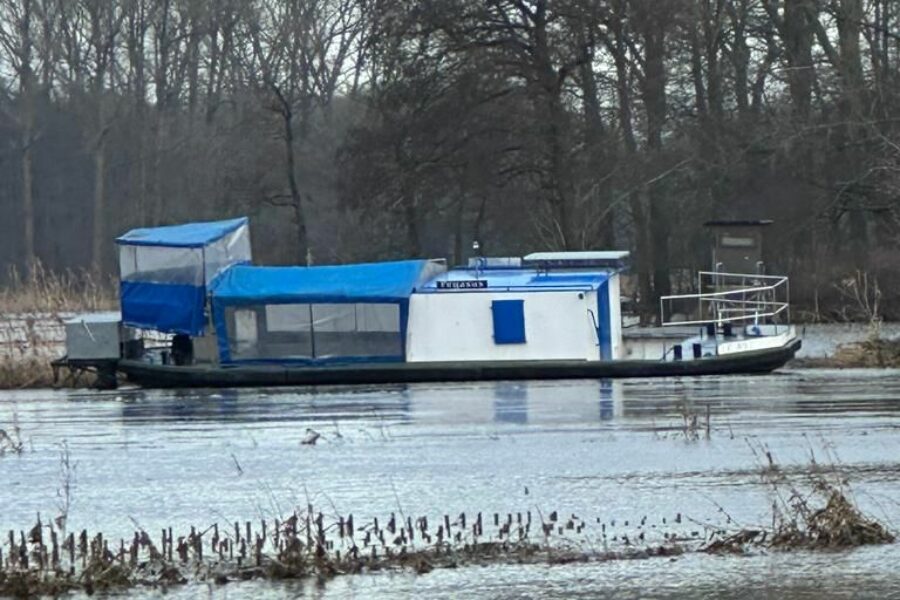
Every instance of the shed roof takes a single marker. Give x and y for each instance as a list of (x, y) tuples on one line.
[(186, 235)]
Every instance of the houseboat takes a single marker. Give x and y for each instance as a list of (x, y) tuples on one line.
[(195, 311)]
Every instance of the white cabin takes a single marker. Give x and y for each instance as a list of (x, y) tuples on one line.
[(545, 306)]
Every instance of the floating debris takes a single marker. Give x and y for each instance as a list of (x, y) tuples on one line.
[(811, 509), (312, 436)]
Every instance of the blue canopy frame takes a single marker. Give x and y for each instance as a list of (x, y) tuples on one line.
[(186, 235), (164, 272), (368, 283)]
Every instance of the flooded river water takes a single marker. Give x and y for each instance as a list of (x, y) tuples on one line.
[(613, 451)]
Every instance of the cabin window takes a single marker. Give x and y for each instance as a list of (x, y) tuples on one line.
[(509, 321), (737, 241), (321, 331)]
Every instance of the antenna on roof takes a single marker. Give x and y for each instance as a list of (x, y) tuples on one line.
[(479, 261)]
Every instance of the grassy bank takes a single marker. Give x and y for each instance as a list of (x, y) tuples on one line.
[(872, 353)]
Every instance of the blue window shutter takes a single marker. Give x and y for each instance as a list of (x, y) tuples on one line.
[(509, 321)]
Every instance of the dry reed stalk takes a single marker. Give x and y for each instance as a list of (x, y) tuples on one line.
[(41, 290), (813, 510), (30, 372)]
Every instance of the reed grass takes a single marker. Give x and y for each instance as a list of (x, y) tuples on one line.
[(33, 306), (30, 372), (41, 290)]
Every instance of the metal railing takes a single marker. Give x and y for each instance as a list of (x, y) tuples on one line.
[(728, 298)]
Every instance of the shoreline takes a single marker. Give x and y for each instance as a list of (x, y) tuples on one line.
[(36, 372), (22, 378), (29, 346)]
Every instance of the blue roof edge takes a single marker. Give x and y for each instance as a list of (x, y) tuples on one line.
[(217, 230)]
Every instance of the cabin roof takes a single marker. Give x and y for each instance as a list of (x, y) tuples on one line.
[(186, 235), (738, 223), (586, 259), (514, 280), (579, 255), (366, 282)]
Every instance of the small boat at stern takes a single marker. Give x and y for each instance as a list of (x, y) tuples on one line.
[(196, 312)]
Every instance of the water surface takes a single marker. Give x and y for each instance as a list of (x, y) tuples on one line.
[(610, 450)]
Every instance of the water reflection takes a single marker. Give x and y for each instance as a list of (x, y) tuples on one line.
[(607, 399), (518, 403), (511, 402), (254, 405)]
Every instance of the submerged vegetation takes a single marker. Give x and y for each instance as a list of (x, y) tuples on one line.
[(812, 509), (45, 561), (11, 441)]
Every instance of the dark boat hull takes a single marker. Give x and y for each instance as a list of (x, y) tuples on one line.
[(167, 376)]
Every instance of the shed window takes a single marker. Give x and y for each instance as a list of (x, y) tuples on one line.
[(509, 321)]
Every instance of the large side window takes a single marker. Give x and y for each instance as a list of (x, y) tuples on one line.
[(509, 321), (314, 331)]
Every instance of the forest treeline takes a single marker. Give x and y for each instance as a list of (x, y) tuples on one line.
[(373, 129)]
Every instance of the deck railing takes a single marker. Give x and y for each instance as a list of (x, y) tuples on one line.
[(729, 298)]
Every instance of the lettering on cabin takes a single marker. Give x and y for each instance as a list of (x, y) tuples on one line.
[(462, 285)]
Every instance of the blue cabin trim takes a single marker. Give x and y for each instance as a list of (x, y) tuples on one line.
[(604, 325)]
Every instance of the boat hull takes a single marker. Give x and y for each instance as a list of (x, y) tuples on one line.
[(167, 376)]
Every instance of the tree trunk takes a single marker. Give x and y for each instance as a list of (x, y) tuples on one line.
[(547, 91), (697, 76), (797, 33), (850, 16), (27, 96), (99, 241), (410, 217), (28, 183), (618, 47), (303, 253), (712, 32), (596, 148), (654, 96)]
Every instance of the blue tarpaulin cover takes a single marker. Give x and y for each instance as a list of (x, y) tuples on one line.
[(167, 307), (244, 285), (187, 235), (368, 282), (163, 271)]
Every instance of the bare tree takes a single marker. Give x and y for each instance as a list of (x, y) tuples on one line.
[(300, 52), (17, 33)]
